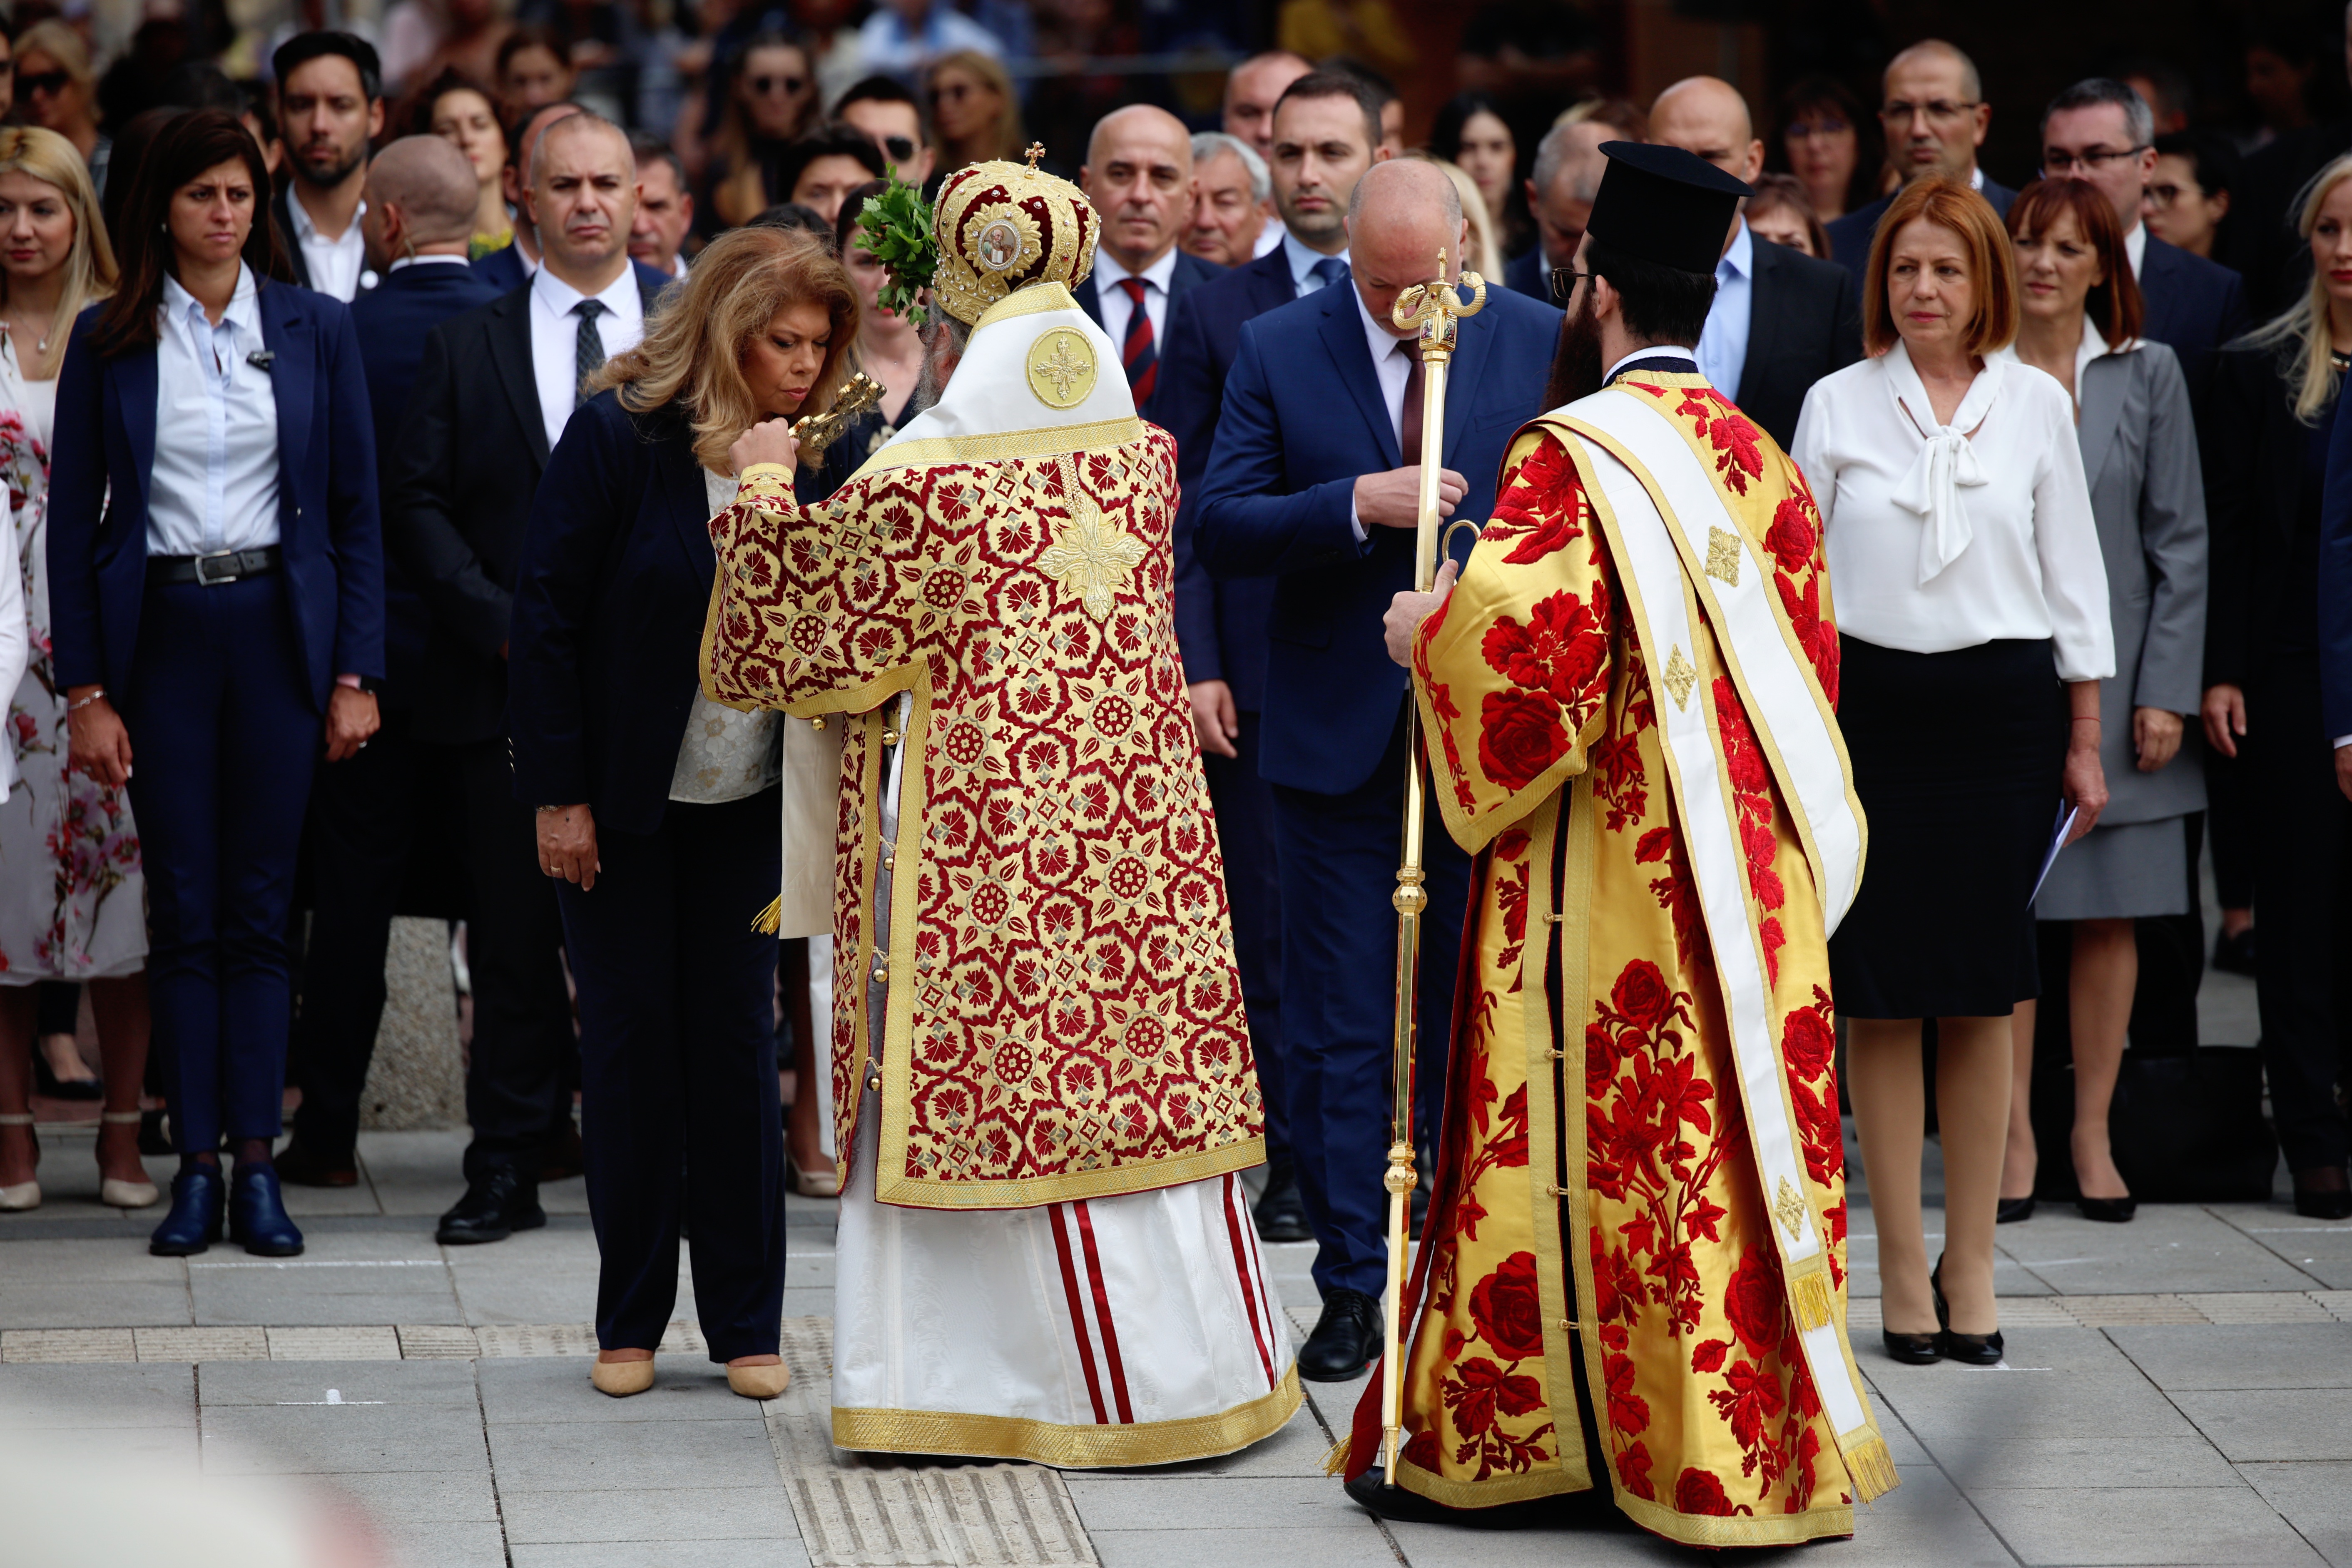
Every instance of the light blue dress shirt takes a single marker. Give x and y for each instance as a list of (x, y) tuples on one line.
[(1302, 264), (1723, 346), (214, 483)]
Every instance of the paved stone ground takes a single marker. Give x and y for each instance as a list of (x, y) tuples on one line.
[(2179, 1391)]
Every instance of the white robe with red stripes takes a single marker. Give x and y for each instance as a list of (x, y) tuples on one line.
[(1134, 1330)]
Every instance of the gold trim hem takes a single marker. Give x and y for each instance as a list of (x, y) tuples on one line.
[(1067, 1187), (1734, 1530), (1069, 1446)]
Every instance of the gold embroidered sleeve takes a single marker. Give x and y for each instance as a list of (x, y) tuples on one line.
[(1512, 672)]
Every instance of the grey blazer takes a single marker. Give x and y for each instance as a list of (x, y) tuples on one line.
[(2139, 452)]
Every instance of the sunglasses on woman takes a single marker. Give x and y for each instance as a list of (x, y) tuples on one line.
[(43, 81)]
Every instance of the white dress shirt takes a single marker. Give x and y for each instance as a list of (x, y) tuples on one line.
[(1268, 236), (1303, 263), (426, 261), (1723, 344), (1950, 536), (555, 338), (1117, 308), (2136, 246), (337, 266), (2092, 346), (214, 483)]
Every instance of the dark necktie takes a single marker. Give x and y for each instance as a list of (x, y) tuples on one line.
[(588, 358), (1409, 436), (1331, 270), (1139, 354)]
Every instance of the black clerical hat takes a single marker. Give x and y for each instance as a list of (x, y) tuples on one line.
[(1663, 205)]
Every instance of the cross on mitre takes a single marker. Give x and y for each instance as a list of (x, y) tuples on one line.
[(1036, 151)]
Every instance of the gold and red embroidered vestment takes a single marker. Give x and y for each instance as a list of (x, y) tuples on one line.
[(1600, 1201), (1074, 1025)]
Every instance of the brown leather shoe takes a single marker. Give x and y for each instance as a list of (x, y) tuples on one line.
[(306, 1167)]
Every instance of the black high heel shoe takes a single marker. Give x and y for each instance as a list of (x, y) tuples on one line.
[(1968, 1350), (2012, 1210), (1913, 1350)]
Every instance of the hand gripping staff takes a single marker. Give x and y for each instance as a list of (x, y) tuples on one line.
[(1435, 309)]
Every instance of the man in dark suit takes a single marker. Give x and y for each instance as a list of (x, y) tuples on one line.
[(1327, 135), (1559, 193), (1780, 321), (2102, 132), (329, 109), (1316, 482), (493, 392), (1934, 117), (418, 219), (1139, 174), (511, 266)]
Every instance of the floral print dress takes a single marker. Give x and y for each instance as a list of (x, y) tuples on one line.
[(72, 902)]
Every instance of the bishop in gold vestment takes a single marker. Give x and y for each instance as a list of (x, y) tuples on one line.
[(1043, 1083)]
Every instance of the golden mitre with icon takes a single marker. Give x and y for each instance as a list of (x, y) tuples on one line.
[(1001, 226)]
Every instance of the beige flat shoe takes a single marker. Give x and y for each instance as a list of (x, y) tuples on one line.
[(120, 1195), (622, 1378), (825, 1181), (760, 1382), (24, 1195)]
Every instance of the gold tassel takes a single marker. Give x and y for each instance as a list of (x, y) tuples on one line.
[(1871, 1466), (1814, 1305), (1334, 1463), (771, 919)]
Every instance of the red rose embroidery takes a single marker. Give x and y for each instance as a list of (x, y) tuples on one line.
[(1697, 1491), (1643, 995), (1519, 735), (1752, 1302), (1809, 1042), (1633, 1472), (1507, 1308), (1791, 538)]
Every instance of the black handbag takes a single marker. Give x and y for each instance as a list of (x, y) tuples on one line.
[(2189, 1129)]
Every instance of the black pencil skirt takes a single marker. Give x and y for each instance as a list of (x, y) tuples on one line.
[(1957, 759)]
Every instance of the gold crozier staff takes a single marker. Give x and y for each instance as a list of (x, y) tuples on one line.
[(1434, 307)]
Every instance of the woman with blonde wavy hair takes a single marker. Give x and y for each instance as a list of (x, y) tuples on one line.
[(2272, 403), (75, 905), (658, 809)]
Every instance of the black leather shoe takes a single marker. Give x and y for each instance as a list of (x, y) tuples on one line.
[(1913, 1350), (306, 1167), (198, 1195), (1347, 1338), (2012, 1210), (1968, 1350), (2323, 1193), (257, 1213), (1280, 1211), (495, 1206), (2109, 1211)]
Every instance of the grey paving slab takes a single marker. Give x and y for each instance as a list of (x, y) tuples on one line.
[(31, 1302), (154, 1448), (445, 1544), (273, 1383), (339, 1439), (506, 1294), (2317, 1498), (406, 1498), (682, 1513), (315, 1203), (2283, 1355), (536, 1390), (594, 1456), (800, 1303), (2064, 1382), (413, 1172), (2151, 1525), (95, 1260), (1362, 1548), (37, 1397), (2169, 1247), (2273, 1423), (1298, 1449), (2069, 1464), (396, 1293), (784, 1551), (1129, 1502)]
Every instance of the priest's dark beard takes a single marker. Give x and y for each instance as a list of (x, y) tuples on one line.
[(1576, 366)]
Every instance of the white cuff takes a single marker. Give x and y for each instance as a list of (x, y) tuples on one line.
[(1354, 521)]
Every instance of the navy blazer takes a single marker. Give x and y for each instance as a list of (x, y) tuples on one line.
[(1524, 274), (503, 270), (1850, 236), (2193, 307), (1220, 624), (609, 602), (392, 320), (1303, 420), (1190, 274), (104, 456)]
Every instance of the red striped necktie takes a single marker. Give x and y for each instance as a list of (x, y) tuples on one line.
[(1139, 354)]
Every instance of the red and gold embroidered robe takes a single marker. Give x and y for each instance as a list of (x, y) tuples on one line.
[(1593, 1101), (1064, 1019)]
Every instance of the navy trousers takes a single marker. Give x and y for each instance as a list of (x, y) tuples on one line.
[(678, 1106), (1338, 856), (1244, 806), (225, 737)]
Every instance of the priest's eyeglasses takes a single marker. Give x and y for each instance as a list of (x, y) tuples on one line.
[(1563, 285)]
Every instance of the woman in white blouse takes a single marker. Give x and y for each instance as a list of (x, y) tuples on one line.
[(1973, 611)]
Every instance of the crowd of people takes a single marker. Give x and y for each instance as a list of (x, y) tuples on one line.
[(365, 431)]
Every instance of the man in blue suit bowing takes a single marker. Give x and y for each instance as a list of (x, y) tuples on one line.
[(1327, 133), (419, 216), (1139, 174), (1314, 481)]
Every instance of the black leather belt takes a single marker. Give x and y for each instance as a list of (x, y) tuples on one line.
[(211, 571)]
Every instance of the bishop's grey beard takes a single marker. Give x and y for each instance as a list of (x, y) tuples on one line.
[(1576, 367), (944, 338)]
